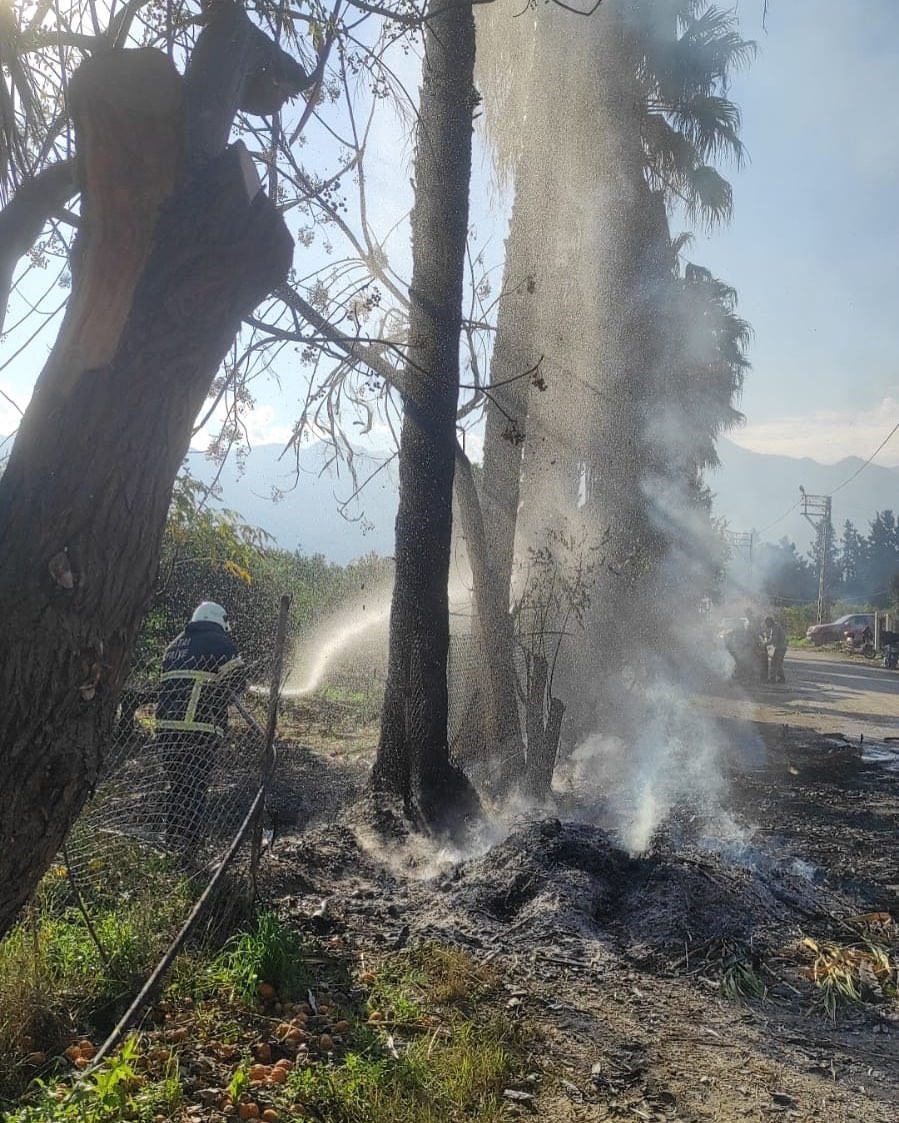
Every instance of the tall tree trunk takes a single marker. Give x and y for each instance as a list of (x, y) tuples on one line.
[(585, 456), (413, 757), (515, 353), (165, 269), (496, 635), (516, 369)]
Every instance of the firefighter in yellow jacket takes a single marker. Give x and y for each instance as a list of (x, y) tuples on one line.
[(201, 669)]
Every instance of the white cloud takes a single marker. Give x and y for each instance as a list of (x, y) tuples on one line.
[(827, 436), (263, 424)]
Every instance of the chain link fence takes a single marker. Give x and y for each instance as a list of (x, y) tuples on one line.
[(181, 798), (162, 792), (176, 799), (170, 804)]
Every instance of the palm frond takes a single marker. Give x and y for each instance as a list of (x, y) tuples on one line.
[(669, 154), (678, 66), (711, 124), (680, 242), (708, 196)]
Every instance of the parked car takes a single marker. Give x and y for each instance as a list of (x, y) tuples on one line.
[(853, 624)]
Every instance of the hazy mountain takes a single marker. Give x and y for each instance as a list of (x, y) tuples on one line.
[(305, 515), (752, 491)]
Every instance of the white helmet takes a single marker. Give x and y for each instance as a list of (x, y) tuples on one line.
[(212, 613)]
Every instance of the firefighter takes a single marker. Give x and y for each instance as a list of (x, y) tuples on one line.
[(201, 668), (776, 643)]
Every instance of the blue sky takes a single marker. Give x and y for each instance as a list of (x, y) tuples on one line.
[(812, 249)]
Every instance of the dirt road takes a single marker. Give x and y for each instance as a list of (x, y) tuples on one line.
[(826, 692)]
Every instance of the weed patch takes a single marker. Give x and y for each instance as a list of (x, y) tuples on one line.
[(847, 974), (277, 1028), (57, 984)]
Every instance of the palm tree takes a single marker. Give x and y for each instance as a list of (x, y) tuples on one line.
[(602, 125)]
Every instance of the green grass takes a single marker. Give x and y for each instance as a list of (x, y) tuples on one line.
[(438, 1052), (267, 951), (115, 1091), (55, 982), (457, 1073), (452, 1054)]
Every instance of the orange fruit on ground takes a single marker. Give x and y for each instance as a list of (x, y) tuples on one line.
[(326, 1043), (367, 978), (248, 1111), (266, 991), (72, 1053), (340, 1027), (262, 1051), (270, 1115), (284, 1063), (278, 1075), (258, 1073)]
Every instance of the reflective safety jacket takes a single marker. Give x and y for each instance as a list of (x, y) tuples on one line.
[(200, 669)]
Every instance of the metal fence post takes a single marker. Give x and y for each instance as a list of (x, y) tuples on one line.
[(271, 724)]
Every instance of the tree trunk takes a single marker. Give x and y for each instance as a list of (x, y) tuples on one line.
[(514, 355), (496, 634), (413, 757), (158, 295), (544, 719)]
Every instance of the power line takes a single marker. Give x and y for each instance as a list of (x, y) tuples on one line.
[(765, 529), (859, 471)]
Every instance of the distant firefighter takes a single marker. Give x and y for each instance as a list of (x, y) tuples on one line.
[(743, 640), (200, 670), (776, 642)]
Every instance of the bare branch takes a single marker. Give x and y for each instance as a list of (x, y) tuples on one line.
[(23, 218)]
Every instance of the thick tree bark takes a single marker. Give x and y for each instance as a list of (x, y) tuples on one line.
[(164, 272), (413, 757)]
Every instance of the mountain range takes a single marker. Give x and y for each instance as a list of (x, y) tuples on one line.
[(753, 491), (760, 492)]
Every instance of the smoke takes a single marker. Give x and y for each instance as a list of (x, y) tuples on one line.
[(667, 768), (642, 365)]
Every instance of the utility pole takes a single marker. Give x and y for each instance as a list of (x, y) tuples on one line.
[(817, 508)]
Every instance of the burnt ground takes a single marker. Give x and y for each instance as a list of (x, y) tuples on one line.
[(673, 986)]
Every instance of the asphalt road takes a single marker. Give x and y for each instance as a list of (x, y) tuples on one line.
[(824, 691)]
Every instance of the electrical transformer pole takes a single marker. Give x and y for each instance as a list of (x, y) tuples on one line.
[(817, 509)]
